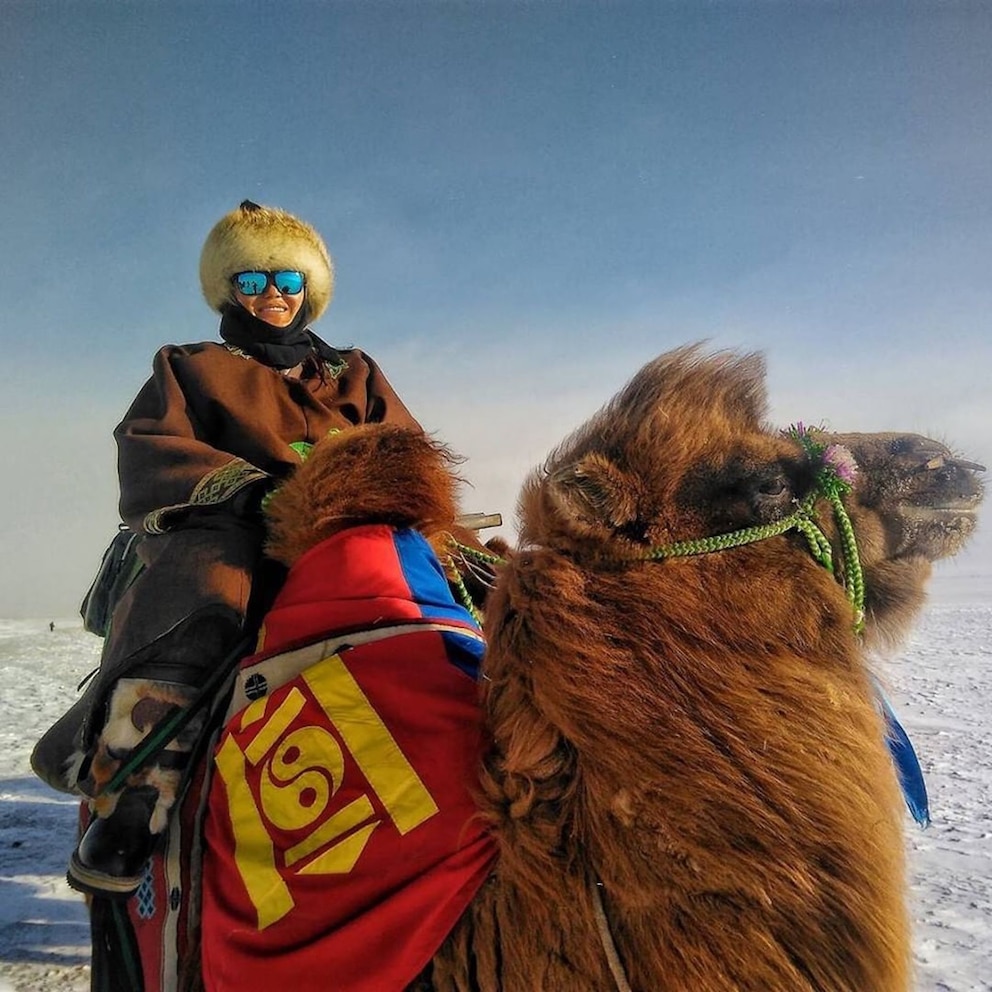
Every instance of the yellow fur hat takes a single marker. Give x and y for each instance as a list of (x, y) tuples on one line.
[(268, 239)]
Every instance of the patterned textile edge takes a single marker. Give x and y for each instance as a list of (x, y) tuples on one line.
[(214, 488), (165, 912), (333, 369)]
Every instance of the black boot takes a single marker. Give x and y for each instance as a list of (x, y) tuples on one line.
[(110, 858), (131, 801), (187, 654), (89, 750)]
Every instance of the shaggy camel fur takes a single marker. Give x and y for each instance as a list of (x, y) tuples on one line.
[(373, 473), (696, 741), (379, 473)]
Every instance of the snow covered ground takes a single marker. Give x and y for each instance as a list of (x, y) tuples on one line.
[(941, 684)]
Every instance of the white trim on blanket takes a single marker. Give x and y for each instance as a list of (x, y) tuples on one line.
[(278, 669)]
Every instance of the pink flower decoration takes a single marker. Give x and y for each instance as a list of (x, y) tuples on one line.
[(840, 459)]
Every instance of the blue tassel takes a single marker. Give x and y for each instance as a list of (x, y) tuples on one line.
[(914, 787)]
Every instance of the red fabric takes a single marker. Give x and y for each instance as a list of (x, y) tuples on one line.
[(341, 843), (357, 578)]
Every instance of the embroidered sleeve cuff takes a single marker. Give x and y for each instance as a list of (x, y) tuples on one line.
[(214, 488)]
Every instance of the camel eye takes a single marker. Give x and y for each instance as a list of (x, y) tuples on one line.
[(770, 496), (772, 487)]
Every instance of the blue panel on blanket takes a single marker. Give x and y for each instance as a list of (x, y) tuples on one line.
[(430, 590)]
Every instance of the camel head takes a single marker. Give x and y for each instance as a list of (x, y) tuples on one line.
[(927, 495), (914, 503), (682, 453), (370, 474)]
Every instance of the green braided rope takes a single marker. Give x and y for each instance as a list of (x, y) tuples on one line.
[(747, 535), (480, 556), (835, 480), (463, 594), (817, 541), (854, 576), (829, 485), (455, 578)]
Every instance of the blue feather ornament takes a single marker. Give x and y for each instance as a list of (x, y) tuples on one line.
[(914, 787)]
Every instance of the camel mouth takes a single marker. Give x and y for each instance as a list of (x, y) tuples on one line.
[(950, 509), (940, 531)]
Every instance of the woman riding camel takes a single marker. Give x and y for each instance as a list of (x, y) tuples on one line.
[(214, 429)]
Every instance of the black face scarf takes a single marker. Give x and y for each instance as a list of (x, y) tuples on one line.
[(278, 347)]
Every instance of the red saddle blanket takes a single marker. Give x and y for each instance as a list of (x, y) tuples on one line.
[(341, 841)]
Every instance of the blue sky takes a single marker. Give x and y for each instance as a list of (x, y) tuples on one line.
[(525, 202)]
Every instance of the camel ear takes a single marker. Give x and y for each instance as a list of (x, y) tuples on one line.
[(595, 490)]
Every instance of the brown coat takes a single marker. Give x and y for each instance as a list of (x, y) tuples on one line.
[(208, 424)]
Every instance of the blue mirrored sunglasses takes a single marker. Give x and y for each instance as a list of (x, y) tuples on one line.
[(255, 283)]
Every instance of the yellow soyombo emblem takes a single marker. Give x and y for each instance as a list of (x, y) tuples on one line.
[(299, 773)]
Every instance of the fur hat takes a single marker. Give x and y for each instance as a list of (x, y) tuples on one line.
[(265, 238)]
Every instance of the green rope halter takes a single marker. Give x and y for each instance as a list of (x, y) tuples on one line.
[(834, 479), (455, 578)]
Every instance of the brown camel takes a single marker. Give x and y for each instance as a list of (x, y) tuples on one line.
[(688, 782)]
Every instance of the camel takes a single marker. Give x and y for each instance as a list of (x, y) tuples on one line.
[(687, 782), (681, 780)]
